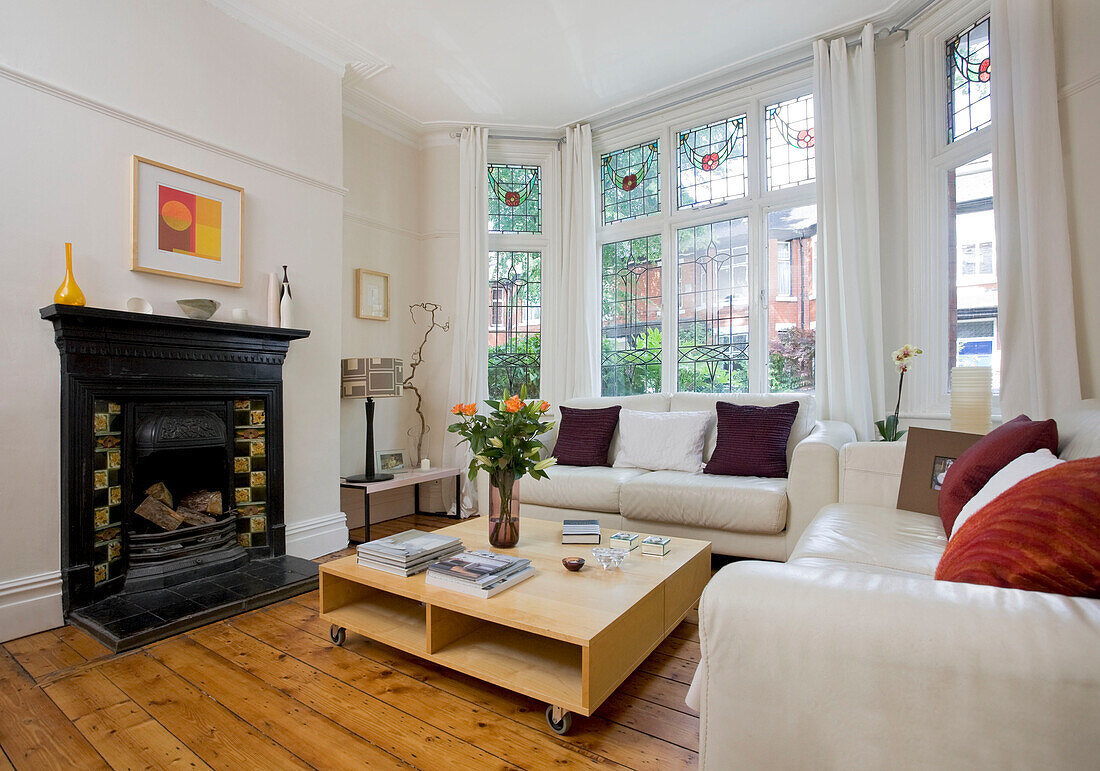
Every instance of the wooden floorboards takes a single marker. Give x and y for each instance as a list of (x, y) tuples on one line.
[(268, 689)]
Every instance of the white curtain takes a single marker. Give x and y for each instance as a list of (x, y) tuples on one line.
[(850, 354), (570, 315), (1039, 373), (469, 361)]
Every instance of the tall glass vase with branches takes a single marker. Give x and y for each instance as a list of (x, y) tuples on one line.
[(415, 361)]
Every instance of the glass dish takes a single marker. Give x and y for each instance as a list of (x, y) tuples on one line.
[(608, 558)]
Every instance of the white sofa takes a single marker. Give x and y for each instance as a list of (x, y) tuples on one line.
[(851, 655), (742, 516)]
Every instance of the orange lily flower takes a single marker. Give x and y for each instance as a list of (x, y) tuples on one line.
[(544, 406), (469, 409), (457, 409), (514, 404)]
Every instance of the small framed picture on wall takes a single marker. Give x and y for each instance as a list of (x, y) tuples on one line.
[(186, 225), (372, 295)]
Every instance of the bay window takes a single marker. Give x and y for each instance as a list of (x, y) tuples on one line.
[(707, 223)]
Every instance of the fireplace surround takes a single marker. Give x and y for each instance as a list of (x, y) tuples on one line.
[(181, 408)]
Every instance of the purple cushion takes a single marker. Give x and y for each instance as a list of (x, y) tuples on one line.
[(584, 436), (752, 441)]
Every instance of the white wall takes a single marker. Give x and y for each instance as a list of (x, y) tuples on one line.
[(392, 204), (248, 111)]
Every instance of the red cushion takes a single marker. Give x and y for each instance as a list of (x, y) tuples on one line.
[(752, 441), (584, 436), (1004, 444), (1043, 534)]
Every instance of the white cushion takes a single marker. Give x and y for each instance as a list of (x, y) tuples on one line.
[(736, 504), (1011, 475), (874, 535), (592, 488), (803, 423), (1079, 430), (642, 402), (662, 440)]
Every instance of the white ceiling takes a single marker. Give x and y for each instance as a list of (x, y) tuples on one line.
[(543, 63)]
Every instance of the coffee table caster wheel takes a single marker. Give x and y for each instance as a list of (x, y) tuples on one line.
[(559, 720), (338, 634)]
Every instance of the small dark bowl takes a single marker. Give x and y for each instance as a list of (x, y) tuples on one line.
[(573, 564)]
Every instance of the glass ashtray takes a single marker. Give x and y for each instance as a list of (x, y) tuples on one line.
[(609, 558)]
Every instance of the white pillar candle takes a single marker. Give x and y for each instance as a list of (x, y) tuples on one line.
[(425, 464), (971, 399)]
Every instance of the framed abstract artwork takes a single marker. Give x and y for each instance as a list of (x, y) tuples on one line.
[(372, 295), (186, 225)]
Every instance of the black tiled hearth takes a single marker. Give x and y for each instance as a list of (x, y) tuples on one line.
[(125, 621)]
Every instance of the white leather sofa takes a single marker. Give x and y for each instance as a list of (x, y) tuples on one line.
[(851, 655), (742, 516)]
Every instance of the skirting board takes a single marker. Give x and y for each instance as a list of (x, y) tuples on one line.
[(315, 537), (30, 604)]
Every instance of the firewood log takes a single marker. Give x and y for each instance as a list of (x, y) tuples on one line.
[(160, 492), (203, 501), (156, 512), (193, 517)]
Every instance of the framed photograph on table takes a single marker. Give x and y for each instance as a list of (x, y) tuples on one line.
[(372, 295), (929, 453), (186, 225), (391, 461)]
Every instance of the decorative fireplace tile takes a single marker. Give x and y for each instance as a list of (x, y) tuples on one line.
[(107, 496), (250, 470)]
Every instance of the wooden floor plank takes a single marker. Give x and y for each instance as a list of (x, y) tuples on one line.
[(82, 643), (659, 690), (5, 763), (43, 654), (615, 742), (218, 736), (686, 631), (34, 733), (671, 725), (308, 734), (121, 731), (385, 726), (681, 649), (671, 667), (501, 736)]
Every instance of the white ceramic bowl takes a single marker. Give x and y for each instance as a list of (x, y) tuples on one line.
[(139, 305), (198, 308)]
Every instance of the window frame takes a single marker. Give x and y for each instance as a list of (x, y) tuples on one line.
[(930, 157), (758, 202), (546, 156)]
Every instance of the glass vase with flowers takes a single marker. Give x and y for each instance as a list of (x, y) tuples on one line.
[(505, 445)]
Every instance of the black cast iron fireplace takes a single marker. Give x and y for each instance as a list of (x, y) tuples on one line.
[(171, 472)]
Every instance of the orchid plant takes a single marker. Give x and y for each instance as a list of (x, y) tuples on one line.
[(903, 359)]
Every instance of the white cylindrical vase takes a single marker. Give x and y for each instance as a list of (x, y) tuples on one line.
[(273, 287)]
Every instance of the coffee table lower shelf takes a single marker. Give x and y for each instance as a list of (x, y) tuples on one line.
[(551, 670)]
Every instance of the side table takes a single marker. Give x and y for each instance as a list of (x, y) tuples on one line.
[(415, 478)]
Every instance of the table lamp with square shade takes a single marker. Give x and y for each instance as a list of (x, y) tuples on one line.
[(370, 379)]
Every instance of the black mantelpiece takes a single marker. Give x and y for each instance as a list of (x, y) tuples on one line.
[(136, 363)]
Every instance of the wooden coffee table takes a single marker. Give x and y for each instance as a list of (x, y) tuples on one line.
[(568, 639)]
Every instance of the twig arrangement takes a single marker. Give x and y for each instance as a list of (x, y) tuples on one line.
[(416, 360)]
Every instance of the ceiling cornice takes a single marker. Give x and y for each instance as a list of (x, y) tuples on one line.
[(357, 65), (304, 34)]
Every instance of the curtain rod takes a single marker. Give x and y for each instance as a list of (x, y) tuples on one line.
[(558, 140)]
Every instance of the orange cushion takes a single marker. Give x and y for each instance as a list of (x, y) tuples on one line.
[(1042, 534)]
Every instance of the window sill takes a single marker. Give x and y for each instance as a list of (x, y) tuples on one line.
[(786, 298)]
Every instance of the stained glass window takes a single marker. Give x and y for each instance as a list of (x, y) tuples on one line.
[(631, 183), (968, 74), (711, 163), (792, 308), (515, 199), (790, 140), (515, 322), (631, 347), (713, 323)]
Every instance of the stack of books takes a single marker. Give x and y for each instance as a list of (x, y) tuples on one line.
[(479, 573), (580, 531), (407, 553)]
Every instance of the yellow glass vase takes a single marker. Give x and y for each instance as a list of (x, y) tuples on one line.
[(68, 293)]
